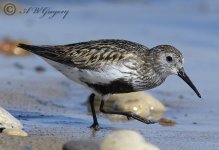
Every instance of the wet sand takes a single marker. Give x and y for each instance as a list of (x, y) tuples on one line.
[(53, 112)]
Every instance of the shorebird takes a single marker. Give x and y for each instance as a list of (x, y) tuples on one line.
[(113, 66)]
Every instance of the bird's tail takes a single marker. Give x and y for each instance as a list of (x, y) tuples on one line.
[(50, 52)]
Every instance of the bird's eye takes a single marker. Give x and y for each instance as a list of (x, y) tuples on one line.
[(169, 58)]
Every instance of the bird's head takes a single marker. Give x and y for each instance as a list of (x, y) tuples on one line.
[(168, 61)]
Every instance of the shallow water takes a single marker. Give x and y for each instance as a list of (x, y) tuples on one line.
[(49, 104)]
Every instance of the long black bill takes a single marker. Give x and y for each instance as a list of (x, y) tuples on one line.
[(182, 74)]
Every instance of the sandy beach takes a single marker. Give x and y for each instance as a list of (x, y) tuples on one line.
[(53, 109)]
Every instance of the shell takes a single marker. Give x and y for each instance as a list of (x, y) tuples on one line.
[(8, 121)]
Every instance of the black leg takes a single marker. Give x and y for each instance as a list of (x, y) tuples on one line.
[(95, 124), (127, 114)]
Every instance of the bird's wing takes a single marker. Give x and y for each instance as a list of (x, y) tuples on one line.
[(88, 55)]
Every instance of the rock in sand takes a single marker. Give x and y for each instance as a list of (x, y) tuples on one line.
[(126, 140)]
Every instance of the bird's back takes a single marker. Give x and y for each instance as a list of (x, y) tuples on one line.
[(89, 54)]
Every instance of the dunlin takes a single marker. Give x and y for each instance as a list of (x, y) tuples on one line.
[(114, 66)]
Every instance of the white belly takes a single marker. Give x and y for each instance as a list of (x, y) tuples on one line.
[(104, 76)]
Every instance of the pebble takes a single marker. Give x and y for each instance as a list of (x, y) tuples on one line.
[(167, 122), (9, 47), (80, 145), (39, 69), (126, 140), (15, 132), (129, 105), (138, 102)]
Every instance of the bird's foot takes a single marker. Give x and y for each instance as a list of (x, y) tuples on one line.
[(95, 126), (139, 118)]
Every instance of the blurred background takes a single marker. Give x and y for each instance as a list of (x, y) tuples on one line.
[(192, 26)]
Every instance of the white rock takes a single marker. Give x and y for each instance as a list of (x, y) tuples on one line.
[(126, 140), (127, 104), (8, 121), (140, 103), (146, 99)]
